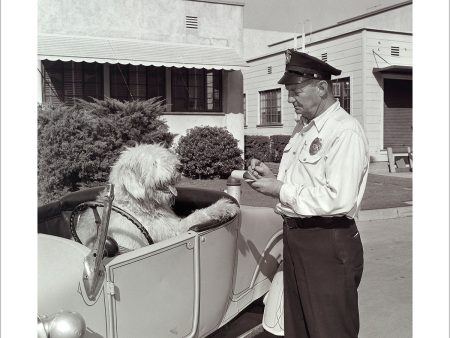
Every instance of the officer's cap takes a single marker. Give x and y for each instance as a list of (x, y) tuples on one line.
[(301, 66)]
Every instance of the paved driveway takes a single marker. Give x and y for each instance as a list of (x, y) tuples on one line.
[(385, 293), (382, 191)]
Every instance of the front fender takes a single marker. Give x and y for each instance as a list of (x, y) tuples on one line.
[(273, 318), (60, 269)]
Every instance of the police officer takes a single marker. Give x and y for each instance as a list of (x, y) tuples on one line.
[(320, 184)]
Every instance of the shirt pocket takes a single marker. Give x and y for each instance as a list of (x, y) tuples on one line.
[(311, 159)]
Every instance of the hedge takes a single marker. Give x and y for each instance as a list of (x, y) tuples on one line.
[(209, 152), (277, 145), (256, 146), (265, 148), (78, 144)]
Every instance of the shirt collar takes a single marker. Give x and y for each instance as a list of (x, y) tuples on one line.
[(320, 120)]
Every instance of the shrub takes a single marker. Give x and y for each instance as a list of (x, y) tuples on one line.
[(257, 147), (78, 144), (277, 144), (209, 152)]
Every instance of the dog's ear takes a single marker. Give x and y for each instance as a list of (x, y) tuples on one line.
[(133, 186)]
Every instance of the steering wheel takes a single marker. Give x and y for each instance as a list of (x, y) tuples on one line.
[(93, 206)]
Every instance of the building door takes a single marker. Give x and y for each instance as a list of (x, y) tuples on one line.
[(397, 114)]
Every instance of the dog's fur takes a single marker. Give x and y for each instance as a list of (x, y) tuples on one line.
[(144, 179)]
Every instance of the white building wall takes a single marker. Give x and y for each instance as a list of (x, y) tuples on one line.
[(356, 54), (377, 54), (219, 24), (257, 79), (355, 47), (344, 53)]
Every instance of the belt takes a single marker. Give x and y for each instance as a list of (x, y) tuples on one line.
[(317, 222)]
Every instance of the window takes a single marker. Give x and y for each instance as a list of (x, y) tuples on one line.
[(341, 91), (156, 82), (270, 106), (64, 81), (130, 82), (119, 78), (53, 87), (196, 90)]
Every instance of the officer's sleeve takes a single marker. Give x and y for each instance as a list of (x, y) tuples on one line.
[(345, 165)]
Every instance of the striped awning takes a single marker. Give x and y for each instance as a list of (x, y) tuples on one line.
[(137, 52)]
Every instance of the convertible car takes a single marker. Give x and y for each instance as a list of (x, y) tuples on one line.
[(187, 286)]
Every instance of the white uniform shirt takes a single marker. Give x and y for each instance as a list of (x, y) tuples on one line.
[(324, 167)]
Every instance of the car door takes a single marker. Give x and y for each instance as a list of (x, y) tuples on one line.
[(154, 290)]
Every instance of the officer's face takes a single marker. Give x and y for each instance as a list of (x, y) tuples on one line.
[(305, 98)]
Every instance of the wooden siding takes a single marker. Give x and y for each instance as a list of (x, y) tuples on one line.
[(356, 55), (376, 48), (257, 79), (343, 53)]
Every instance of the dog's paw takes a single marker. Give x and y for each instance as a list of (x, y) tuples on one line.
[(222, 209)]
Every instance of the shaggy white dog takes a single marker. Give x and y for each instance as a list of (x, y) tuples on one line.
[(144, 179)]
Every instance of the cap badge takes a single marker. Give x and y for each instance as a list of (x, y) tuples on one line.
[(288, 56), (316, 145)]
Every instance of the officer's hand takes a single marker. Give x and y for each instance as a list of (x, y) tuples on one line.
[(267, 186), (259, 169)]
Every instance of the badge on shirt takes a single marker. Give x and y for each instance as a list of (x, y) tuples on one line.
[(316, 145)]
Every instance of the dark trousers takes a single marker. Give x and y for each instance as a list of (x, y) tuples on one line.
[(323, 266)]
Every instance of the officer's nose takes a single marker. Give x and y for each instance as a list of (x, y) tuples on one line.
[(291, 99)]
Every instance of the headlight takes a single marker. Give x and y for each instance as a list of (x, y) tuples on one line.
[(63, 324)]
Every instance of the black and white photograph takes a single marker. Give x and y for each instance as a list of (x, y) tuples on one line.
[(224, 169)]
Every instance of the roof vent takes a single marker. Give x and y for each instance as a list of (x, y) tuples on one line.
[(269, 70), (191, 22), (324, 57), (395, 51)]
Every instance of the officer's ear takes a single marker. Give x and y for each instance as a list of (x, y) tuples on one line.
[(322, 88)]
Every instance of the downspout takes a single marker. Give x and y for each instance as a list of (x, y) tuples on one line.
[(363, 80), (40, 81)]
